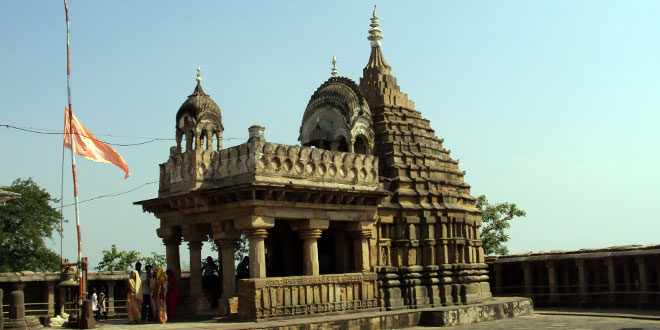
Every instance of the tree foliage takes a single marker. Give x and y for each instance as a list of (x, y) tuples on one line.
[(495, 220), (114, 259), (155, 260), (24, 223), (120, 260)]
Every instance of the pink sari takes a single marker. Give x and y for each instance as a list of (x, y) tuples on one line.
[(134, 297), (172, 297)]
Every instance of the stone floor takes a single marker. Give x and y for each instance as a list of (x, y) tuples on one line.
[(543, 319)]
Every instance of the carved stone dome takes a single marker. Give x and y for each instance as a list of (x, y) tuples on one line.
[(200, 104), (337, 116), (199, 121)]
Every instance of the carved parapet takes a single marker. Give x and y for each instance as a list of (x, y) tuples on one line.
[(298, 295), (263, 162), (315, 167)]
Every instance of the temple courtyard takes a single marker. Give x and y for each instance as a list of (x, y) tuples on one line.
[(541, 319)]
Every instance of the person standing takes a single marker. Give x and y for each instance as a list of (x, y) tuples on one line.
[(146, 278), (95, 304), (210, 281), (134, 296), (160, 295), (172, 295), (243, 268), (102, 310)]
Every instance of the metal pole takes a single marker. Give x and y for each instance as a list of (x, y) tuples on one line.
[(73, 162)]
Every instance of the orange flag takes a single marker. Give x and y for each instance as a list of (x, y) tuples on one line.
[(88, 146)]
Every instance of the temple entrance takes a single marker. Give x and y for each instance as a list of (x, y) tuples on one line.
[(283, 251)]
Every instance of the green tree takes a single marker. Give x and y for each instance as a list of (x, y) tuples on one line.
[(114, 259), (24, 223), (155, 260), (495, 220)]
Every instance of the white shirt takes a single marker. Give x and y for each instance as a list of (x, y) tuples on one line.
[(95, 302), (145, 283)]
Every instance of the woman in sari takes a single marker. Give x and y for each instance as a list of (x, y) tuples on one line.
[(160, 295), (172, 295), (134, 297)]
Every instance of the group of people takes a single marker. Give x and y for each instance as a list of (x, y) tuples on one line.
[(152, 296), (99, 304)]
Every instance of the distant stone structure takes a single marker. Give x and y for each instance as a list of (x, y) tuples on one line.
[(369, 212), (620, 276)]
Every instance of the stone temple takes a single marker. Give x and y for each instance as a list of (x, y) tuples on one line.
[(369, 212)]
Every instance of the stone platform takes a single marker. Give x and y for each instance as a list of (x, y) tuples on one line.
[(493, 309)]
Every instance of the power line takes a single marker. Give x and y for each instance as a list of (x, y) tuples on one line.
[(53, 132), (112, 195)]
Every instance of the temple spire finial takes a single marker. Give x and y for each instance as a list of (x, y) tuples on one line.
[(374, 32), (199, 75), (334, 72)]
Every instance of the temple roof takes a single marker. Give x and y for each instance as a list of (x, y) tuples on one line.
[(343, 93), (199, 104)]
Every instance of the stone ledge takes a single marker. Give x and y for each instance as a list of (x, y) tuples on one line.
[(493, 309)]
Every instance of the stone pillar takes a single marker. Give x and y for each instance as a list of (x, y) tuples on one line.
[(497, 268), (582, 280), (552, 281), (2, 314), (626, 276), (310, 251), (226, 236), (257, 252), (567, 276), (527, 273), (228, 267), (172, 239), (226, 247), (255, 230), (172, 255), (611, 279), (17, 303), (428, 242), (361, 249), (195, 294), (643, 284), (50, 297), (111, 297)]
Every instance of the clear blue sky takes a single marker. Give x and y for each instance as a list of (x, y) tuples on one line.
[(553, 105)]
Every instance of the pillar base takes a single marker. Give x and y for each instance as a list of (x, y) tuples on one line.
[(227, 305)]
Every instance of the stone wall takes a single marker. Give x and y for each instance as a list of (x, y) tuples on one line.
[(299, 295), (622, 276), (42, 296), (265, 162)]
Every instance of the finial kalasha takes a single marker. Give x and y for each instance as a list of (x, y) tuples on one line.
[(199, 75), (334, 73), (374, 32)]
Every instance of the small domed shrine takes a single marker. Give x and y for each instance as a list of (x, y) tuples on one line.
[(369, 212)]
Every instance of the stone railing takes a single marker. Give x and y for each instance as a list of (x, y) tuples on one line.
[(298, 295), (265, 162)]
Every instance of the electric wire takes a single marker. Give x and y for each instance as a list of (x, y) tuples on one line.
[(112, 195), (52, 132)]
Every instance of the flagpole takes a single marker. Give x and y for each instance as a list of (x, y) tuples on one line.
[(73, 163)]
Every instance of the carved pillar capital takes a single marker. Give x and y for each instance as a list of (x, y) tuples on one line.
[(175, 241), (194, 233), (310, 233), (256, 233), (195, 245), (225, 243), (361, 234)]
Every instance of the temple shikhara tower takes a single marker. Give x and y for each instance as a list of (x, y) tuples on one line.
[(369, 212)]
